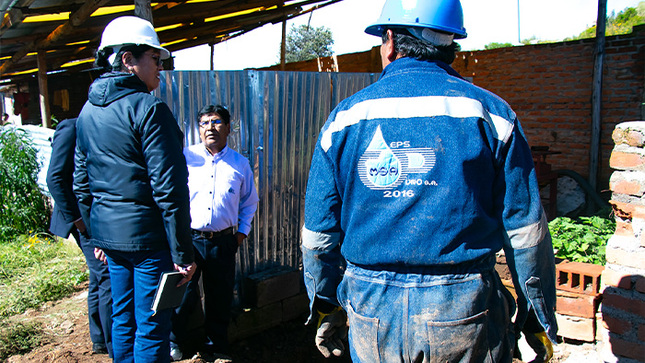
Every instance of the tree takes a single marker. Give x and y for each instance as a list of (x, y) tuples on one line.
[(620, 23), (495, 45), (305, 42)]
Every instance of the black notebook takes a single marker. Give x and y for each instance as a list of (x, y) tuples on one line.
[(168, 295)]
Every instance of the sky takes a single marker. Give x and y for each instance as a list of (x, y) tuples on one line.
[(486, 21)]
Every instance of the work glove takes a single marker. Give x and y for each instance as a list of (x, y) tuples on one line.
[(332, 330), (542, 346)]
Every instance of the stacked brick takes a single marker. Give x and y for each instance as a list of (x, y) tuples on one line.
[(623, 280), (578, 298)]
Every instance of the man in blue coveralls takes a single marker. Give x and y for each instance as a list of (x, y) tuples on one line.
[(416, 183)]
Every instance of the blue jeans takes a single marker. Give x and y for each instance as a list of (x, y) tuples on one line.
[(137, 334), (412, 317), (99, 296)]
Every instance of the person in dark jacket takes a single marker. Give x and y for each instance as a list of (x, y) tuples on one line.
[(131, 173), (66, 219)]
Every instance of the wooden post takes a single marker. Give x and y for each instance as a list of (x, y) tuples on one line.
[(212, 45), (42, 88), (143, 10), (596, 94), (283, 46)]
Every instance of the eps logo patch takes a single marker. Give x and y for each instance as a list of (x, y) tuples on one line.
[(382, 167)]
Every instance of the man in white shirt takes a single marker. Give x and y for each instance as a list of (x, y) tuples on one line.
[(223, 201)]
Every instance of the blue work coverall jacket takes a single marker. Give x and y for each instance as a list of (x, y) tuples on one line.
[(424, 171)]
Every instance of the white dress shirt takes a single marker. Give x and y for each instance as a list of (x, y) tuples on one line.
[(222, 192)]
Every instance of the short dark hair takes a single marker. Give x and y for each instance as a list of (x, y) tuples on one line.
[(222, 111), (102, 55), (408, 45)]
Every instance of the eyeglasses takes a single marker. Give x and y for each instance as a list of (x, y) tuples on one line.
[(211, 122), (157, 59)]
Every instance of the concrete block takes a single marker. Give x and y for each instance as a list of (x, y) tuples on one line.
[(295, 307), (577, 328), (255, 320), (270, 286), (583, 278)]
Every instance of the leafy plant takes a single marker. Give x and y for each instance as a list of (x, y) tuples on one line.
[(20, 338), (582, 239), (24, 209)]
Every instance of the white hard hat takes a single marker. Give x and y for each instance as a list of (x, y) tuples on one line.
[(131, 30)]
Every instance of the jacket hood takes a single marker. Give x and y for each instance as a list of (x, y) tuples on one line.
[(113, 86)]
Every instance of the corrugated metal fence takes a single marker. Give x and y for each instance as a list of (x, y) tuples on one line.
[(276, 117), (41, 138)]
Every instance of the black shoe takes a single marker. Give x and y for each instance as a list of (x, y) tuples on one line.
[(215, 357), (98, 348)]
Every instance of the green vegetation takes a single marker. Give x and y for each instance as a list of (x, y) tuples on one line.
[(20, 338), (24, 209), (34, 267), (305, 42), (582, 239), (497, 45), (617, 24), (37, 269), (33, 270)]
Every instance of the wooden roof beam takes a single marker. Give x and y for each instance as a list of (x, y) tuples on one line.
[(77, 18), (16, 15)]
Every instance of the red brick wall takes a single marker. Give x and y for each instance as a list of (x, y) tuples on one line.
[(549, 86), (623, 304)]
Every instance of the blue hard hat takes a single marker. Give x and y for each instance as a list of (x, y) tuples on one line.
[(443, 15)]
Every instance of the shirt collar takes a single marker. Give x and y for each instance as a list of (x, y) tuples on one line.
[(217, 156)]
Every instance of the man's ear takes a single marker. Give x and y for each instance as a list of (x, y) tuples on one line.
[(389, 50)]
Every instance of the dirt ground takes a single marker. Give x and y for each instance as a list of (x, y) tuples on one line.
[(66, 326)]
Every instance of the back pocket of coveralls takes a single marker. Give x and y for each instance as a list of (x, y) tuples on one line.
[(363, 334), (462, 340)]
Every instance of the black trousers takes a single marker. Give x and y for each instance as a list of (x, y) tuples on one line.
[(99, 295), (215, 259)]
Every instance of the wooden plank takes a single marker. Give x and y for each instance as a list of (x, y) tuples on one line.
[(42, 90), (143, 10), (596, 95)]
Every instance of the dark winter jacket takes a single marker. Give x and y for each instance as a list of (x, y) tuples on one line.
[(131, 170)]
